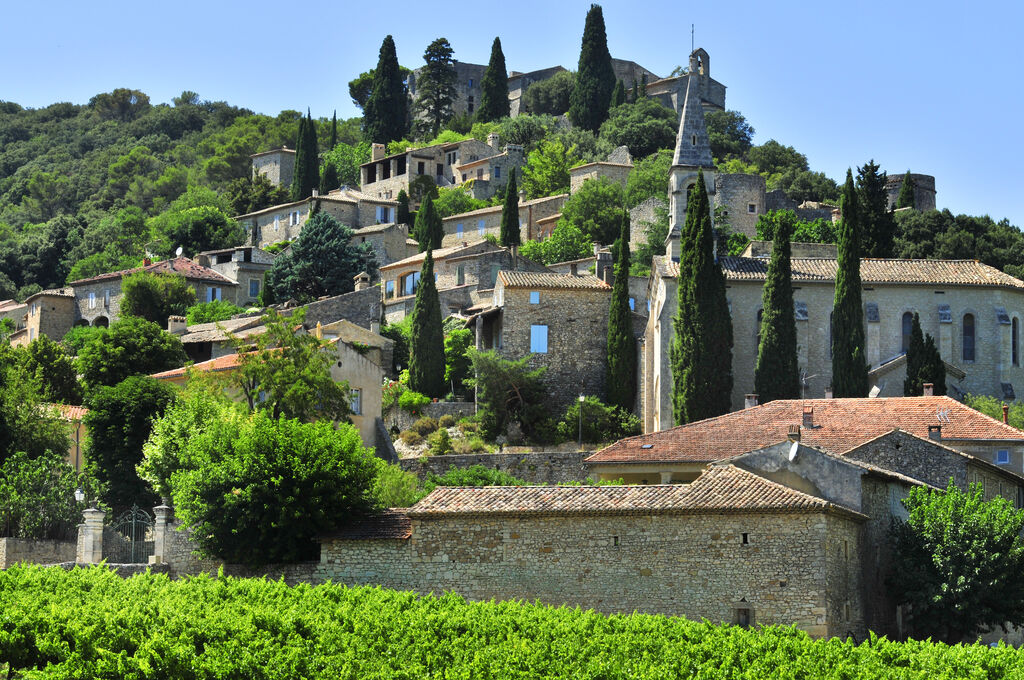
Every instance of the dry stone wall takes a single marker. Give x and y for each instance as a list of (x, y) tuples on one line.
[(535, 468), (18, 550)]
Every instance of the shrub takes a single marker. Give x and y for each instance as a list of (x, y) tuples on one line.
[(37, 497), (393, 487), (440, 443), (477, 475), (424, 426), (467, 426), (601, 422), (412, 401), (390, 394), (464, 447), (447, 420), (208, 312), (411, 438)]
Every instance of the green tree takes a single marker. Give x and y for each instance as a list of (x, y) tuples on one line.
[(49, 366), (510, 234), (255, 192), (288, 373), (494, 98), (878, 227), (730, 134), (701, 352), (777, 373), (849, 364), (25, 424), (912, 385), (402, 215), (547, 170), (436, 86), (329, 177), (344, 160), (934, 368), (306, 175), (196, 229), (618, 95), (509, 391), (600, 422), (323, 261), (595, 79), (567, 242), (621, 381), (426, 346), (772, 158), (596, 209), (649, 178), (260, 490), (905, 199), (119, 422), (37, 497), (549, 96), (154, 297), (386, 113), (456, 359), (644, 127), (428, 230), (208, 312), (802, 231), (450, 201), (956, 562), (131, 346), (361, 87)]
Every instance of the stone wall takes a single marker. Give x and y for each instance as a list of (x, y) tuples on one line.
[(277, 166), (536, 468), (914, 457), (18, 550), (473, 226), (641, 216), (361, 307), (777, 566), (403, 420), (618, 173), (743, 199)]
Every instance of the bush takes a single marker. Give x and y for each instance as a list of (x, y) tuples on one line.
[(467, 426), (440, 443), (411, 438), (447, 420), (467, 446), (476, 475), (208, 312), (424, 426), (601, 422), (37, 497), (412, 401), (393, 487), (258, 491), (390, 394), (80, 336)]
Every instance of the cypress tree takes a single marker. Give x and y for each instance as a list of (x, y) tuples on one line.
[(777, 373), (636, 90), (402, 214), (877, 224), (933, 369), (849, 365), (428, 230), (618, 94), (329, 177), (643, 85), (621, 381), (701, 353), (494, 102), (906, 195), (386, 114), (334, 130), (595, 79), (510, 235), (915, 360), (426, 341), (306, 175)]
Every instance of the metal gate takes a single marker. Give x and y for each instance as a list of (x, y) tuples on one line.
[(130, 539)]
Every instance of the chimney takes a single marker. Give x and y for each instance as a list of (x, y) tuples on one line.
[(828, 392), (794, 432), (935, 433), (572, 269), (176, 325), (607, 275), (522, 195), (316, 192), (375, 326), (362, 280), (1006, 414), (377, 151), (750, 401), (929, 389), (809, 417), (494, 141)]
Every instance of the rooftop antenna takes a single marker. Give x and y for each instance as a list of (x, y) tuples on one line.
[(177, 253), (692, 48)]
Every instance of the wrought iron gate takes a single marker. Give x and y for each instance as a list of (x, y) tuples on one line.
[(130, 539)]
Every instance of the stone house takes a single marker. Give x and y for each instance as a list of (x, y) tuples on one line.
[(519, 82), (49, 312), (972, 310), (473, 226), (384, 176), (205, 341), (15, 311), (616, 172), (560, 321), (247, 265), (485, 177), (73, 416), (277, 165), (671, 91), (465, 276)]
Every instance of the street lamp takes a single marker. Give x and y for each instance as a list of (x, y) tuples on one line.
[(79, 495), (581, 421)]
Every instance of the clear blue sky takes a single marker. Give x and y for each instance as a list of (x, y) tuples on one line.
[(933, 87)]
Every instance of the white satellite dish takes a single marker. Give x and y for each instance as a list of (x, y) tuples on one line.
[(793, 448), (177, 253)]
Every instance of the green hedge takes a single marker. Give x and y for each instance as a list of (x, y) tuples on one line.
[(90, 623)]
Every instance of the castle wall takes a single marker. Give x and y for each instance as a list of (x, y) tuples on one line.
[(743, 199)]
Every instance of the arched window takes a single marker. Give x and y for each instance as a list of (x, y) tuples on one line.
[(1015, 342), (968, 337), (908, 327)]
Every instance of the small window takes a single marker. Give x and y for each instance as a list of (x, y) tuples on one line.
[(846, 550), (460, 275), (497, 172), (745, 538), (1003, 457), (469, 106), (213, 293), (968, 337), (254, 288), (494, 274), (293, 218), (92, 300), (846, 611), (421, 168), (534, 297), (538, 339), (357, 402), (479, 173), (389, 289), (383, 214), (743, 617), (480, 227), (693, 140), (458, 229), (751, 208), (277, 222), (615, 541), (632, 304), (471, 85), (464, 177), (106, 298)]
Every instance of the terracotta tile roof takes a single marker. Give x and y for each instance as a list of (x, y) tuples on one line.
[(442, 253), (839, 425), (497, 208), (70, 413), (224, 363), (393, 524), (546, 280), (52, 292), (724, 488), (179, 265), (217, 331)]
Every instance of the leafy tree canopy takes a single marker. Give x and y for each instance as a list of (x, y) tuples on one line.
[(550, 96), (435, 87), (37, 497), (730, 134), (48, 365), (803, 231), (567, 242), (547, 170), (208, 312), (649, 178), (644, 127), (596, 209), (131, 346), (154, 297)]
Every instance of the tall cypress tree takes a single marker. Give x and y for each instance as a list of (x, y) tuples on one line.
[(510, 235), (849, 365), (906, 195), (329, 177), (306, 175), (426, 341), (643, 85), (428, 230), (618, 94), (621, 381), (877, 224), (933, 369), (494, 102), (777, 373), (912, 386), (701, 353), (636, 90), (386, 114), (402, 214), (595, 79)]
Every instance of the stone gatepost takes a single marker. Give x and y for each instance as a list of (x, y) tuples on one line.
[(161, 527), (90, 537)]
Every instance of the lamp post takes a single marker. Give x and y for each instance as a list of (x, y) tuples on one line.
[(79, 495), (581, 422)]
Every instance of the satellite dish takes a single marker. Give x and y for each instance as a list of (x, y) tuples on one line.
[(793, 448), (177, 253)]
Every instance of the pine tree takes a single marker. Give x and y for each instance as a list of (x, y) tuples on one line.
[(386, 114), (701, 353), (402, 214), (329, 178), (426, 341), (777, 373), (906, 195), (428, 230), (621, 381), (494, 102), (510, 235), (877, 224), (849, 365), (306, 175), (933, 369), (595, 79), (618, 94), (436, 86)]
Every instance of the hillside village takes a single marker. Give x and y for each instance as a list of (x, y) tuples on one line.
[(471, 320)]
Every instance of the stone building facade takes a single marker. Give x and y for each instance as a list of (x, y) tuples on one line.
[(468, 90), (473, 226), (49, 312), (519, 82), (671, 92), (247, 265), (488, 176), (383, 176), (924, 190), (742, 201), (277, 165), (616, 172)]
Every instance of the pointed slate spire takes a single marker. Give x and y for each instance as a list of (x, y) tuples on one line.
[(693, 147)]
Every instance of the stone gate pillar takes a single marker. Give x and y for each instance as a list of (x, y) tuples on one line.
[(90, 537), (161, 527)]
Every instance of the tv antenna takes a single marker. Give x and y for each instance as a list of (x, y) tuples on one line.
[(692, 48)]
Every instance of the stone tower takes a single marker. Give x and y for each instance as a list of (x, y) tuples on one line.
[(692, 153)]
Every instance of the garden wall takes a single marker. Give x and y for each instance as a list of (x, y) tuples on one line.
[(14, 550), (536, 468), (403, 420)]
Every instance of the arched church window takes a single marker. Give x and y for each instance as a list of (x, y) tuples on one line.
[(968, 337)]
